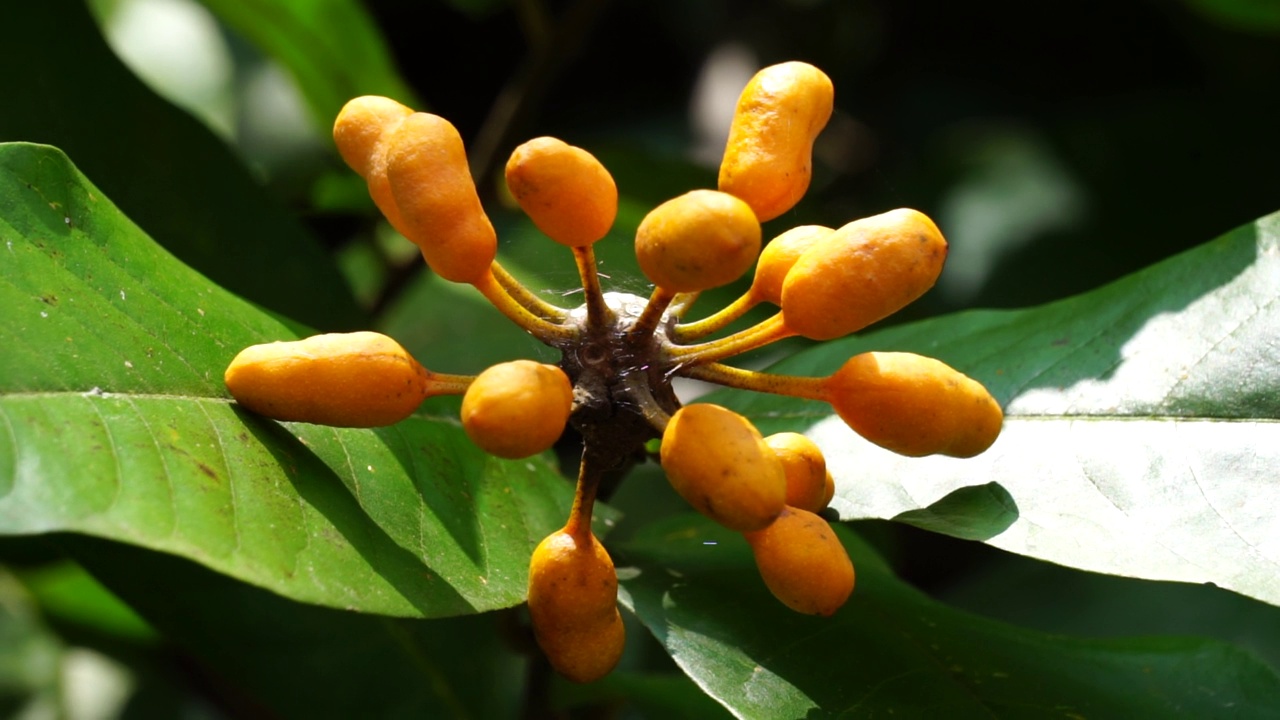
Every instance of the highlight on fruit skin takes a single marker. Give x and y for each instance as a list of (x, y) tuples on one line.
[(565, 190), (768, 157), (914, 405), (718, 462), (517, 409), (573, 592), (697, 241), (862, 273), (440, 211), (360, 379), (803, 563)]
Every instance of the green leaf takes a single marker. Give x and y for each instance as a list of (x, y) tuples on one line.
[(978, 512), (114, 422), (893, 651), (1141, 434), (672, 696), (304, 661), (68, 594), (30, 654), (333, 48), (164, 169), (1241, 15)]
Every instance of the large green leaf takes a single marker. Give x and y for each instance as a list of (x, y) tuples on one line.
[(168, 172), (332, 48), (891, 651), (1141, 436), (311, 662), (114, 422)]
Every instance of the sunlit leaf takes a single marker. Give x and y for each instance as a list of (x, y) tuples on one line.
[(114, 422), (1141, 436)]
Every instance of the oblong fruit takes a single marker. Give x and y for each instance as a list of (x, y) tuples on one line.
[(861, 273), (517, 409), (718, 462), (768, 158), (361, 132), (360, 126), (439, 209), (573, 605), (914, 405), (779, 255), (565, 190), (699, 240), (360, 379), (805, 469), (803, 563)]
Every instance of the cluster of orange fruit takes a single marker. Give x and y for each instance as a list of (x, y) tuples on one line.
[(620, 351)]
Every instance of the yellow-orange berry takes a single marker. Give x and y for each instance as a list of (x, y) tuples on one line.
[(360, 126), (805, 469), (361, 132), (779, 255), (360, 379), (517, 409), (426, 165), (565, 190), (699, 240), (803, 563), (768, 159), (861, 273), (914, 405), (573, 592), (718, 462)]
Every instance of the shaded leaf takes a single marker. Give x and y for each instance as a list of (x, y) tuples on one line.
[(333, 48), (892, 651), (304, 661), (30, 654), (666, 696), (1049, 597), (114, 422), (1245, 15), (1140, 435), (168, 172), (977, 512), (68, 594)]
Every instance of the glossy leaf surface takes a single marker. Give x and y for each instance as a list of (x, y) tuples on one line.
[(114, 422), (1141, 434), (893, 651)]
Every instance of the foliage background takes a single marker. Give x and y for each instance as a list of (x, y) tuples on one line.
[(1058, 156)]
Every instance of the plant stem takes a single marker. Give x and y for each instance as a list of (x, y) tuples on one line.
[(767, 331), (524, 296), (682, 303), (540, 328), (716, 321), (652, 315), (446, 384), (598, 314), (638, 390), (584, 498), (810, 388)]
